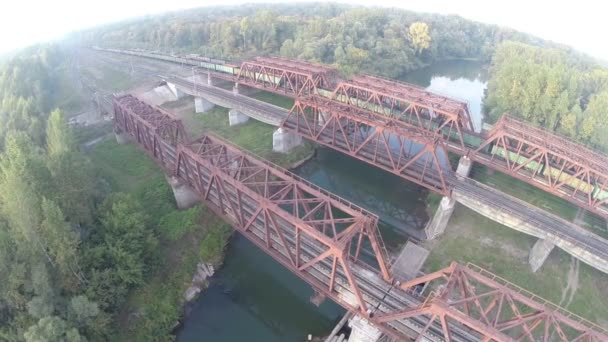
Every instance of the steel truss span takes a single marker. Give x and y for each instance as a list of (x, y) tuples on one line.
[(336, 248), (442, 115), (547, 161), (393, 145), (286, 77)]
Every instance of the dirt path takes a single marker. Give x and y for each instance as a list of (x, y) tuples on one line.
[(572, 284)]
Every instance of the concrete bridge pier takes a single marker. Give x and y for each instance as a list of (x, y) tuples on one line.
[(202, 105), (284, 141), (236, 118), (240, 89), (464, 167), (323, 117), (442, 216), (178, 93), (121, 137), (439, 222), (539, 253), (209, 79), (363, 331), (185, 197)]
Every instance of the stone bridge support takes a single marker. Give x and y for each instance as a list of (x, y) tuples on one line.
[(185, 197), (539, 253), (362, 330), (175, 90), (240, 89), (202, 105), (236, 118), (438, 224), (284, 141)]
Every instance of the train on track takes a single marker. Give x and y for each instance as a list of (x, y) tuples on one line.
[(195, 60), (471, 140)]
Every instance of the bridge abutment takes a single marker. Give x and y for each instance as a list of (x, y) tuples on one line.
[(442, 216), (236, 118), (185, 197), (240, 89), (323, 117), (362, 330), (464, 167), (121, 137), (539, 253), (284, 141), (202, 105), (176, 92)]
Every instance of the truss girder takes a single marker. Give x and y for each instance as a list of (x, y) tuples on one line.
[(390, 144), (547, 161), (318, 236), (491, 309)]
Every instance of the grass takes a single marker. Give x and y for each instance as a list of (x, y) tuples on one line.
[(473, 238), (277, 100), (66, 97), (125, 167), (538, 198), (253, 136), (88, 133), (112, 79), (152, 310)]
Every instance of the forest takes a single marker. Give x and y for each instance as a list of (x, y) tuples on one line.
[(72, 249), (561, 91), (388, 42)]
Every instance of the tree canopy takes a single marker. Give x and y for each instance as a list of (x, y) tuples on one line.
[(389, 42), (561, 91)]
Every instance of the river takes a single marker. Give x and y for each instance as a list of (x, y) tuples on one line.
[(252, 298)]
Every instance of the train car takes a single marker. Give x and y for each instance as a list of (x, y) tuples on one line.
[(556, 173)]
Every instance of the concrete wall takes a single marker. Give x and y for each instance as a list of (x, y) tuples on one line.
[(236, 118), (202, 105), (503, 217), (185, 197), (284, 141), (175, 90)]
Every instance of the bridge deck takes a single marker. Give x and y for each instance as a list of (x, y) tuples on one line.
[(545, 221), (279, 212)]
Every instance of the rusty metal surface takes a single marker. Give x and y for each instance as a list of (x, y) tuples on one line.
[(319, 236), (493, 309), (440, 114), (393, 145), (285, 77), (547, 161)]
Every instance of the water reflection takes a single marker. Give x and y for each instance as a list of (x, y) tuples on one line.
[(463, 80)]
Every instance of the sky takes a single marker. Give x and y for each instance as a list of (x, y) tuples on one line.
[(580, 23)]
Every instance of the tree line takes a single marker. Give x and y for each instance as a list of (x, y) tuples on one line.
[(559, 90), (70, 250), (388, 42)]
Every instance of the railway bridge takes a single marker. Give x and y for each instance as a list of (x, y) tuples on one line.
[(336, 248), (414, 154)]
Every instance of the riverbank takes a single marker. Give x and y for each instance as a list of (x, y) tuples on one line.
[(186, 238)]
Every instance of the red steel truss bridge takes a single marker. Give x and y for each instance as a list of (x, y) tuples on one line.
[(408, 130), (335, 246)]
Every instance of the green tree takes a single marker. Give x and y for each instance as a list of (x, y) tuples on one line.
[(418, 34), (52, 329)]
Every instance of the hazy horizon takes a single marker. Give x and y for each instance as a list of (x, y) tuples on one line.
[(561, 24)]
